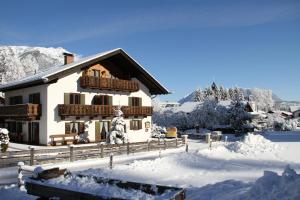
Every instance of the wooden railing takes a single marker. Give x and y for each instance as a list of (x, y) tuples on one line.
[(108, 84), (20, 111), (84, 110), (137, 110), (82, 152), (103, 110)]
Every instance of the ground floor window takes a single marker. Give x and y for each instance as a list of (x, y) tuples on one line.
[(15, 127), (74, 127), (135, 124)]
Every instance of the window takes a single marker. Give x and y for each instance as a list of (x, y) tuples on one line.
[(15, 127), (102, 100), (74, 127), (34, 98), (135, 101), (96, 73), (135, 124), (15, 100), (74, 98)]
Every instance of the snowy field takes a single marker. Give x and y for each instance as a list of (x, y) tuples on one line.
[(228, 170)]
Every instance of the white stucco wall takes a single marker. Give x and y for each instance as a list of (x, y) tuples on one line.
[(69, 84)]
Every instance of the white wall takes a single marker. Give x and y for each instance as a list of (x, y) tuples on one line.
[(69, 84)]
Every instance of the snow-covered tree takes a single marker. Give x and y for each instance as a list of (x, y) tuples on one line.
[(117, 133), (4, 139), (238, 117)]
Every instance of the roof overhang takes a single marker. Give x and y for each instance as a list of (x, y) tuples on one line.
[(55, 73)]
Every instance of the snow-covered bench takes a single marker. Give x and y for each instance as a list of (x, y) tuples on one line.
[(63, 139)]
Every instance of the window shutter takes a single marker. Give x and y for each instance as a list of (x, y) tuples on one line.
[(67, 128), (109, 100), (139, 124), (66, 98), (140, 101), (131, 125), (81, 127), (82, 99), (130, 101)]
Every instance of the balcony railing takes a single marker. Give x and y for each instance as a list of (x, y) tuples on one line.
[(137, 110), (84, 110), (25, 111), (108, 84), (102, 110)]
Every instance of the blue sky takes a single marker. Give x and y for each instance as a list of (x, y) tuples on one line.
[(184, 44)]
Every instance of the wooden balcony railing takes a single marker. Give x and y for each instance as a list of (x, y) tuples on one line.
[(84, 110), (137, 110), (108, 84), (24, 111), (102, 110)]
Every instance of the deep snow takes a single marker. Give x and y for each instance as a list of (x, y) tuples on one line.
[(230, 168)]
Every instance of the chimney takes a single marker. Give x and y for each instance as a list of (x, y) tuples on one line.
[(69, 58)]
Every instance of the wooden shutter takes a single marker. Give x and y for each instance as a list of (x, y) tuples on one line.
[(66, 98), (82, 99), (130, 101), (139, 124), (140, 101), (81, 127), (67, 127), (37, 98), (110, 100), (97, 132)]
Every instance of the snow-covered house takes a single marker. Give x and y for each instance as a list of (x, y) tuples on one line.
[(79, 97)]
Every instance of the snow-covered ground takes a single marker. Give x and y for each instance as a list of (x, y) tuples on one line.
[(229, 168)]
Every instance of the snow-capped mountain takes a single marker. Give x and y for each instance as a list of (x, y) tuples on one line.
[(19, 61)]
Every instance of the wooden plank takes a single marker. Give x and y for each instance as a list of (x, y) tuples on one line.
[(44, 191)]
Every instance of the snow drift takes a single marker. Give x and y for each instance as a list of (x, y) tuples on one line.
[(270, 186), (252, 146)]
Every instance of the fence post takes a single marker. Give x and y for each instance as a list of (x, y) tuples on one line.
[(185, 139), (148, 147), (187, 148), (20, 175), (128, 148), (71, 153), (165, 144), (31, 156), (176, 142), (111, 160), (102, 150)]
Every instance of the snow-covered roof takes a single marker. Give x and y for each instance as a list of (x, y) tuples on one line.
[(54, 72)]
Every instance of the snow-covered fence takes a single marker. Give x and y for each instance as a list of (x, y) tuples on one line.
[(82, 152)]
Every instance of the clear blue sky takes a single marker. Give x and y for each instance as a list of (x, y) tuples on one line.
[(184, 44)]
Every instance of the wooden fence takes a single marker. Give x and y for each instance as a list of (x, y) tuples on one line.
[(82, 152)]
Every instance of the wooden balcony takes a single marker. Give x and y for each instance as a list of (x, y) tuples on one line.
[(84, 110), (78, 110), (137, 110), (21, 111), (108, 84)]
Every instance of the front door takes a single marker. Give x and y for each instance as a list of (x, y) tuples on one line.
[(101, 130), (33, 133)]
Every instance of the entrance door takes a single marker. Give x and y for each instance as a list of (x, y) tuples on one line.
[(33, 133), (101, 130)]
